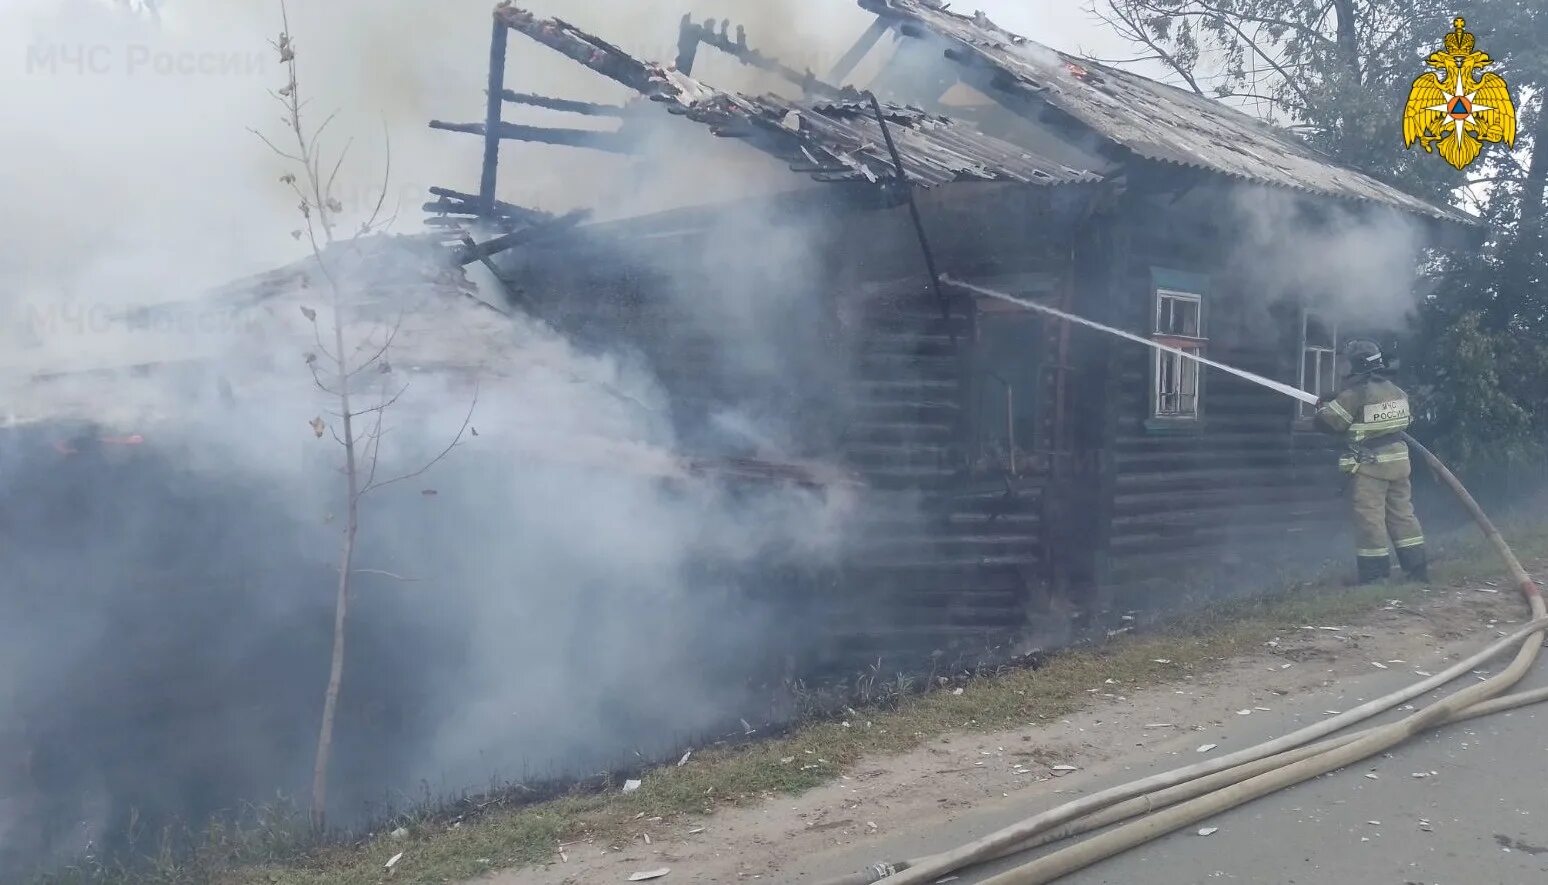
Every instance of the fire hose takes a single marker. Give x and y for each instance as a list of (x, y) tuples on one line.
[(1171, 800)]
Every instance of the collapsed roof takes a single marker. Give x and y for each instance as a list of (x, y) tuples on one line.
[(832, 139), (1148, 118)]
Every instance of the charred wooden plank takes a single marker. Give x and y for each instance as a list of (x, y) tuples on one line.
[(593, 52), (690, 33), (497, 52), (470, 199), (569, 106), (851, 59), (497, 245), (612, 142)]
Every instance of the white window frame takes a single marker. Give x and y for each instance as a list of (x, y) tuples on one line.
[(1186, 394), (1328, 352)]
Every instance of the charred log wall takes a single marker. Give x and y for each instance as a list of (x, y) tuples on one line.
[(943, 568)]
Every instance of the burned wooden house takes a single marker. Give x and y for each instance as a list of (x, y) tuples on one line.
[(1018, 469)]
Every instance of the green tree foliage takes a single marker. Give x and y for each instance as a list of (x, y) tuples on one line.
[(1336, 73)]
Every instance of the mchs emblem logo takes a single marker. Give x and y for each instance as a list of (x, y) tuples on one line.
[(1454, 109)]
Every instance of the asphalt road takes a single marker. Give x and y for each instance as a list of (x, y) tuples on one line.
[(1480, 819)]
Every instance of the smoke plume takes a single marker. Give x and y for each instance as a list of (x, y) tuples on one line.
[(557, 595)]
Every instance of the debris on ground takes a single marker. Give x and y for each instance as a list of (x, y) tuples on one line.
[(630, 786), (649, 874), (1207, 747), (1209, 831)]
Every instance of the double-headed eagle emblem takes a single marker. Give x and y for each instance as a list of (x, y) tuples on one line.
[(1456, 108)]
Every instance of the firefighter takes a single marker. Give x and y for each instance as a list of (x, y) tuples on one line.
[(1371, 413)]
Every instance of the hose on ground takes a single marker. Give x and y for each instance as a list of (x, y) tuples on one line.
[(1175, 799)]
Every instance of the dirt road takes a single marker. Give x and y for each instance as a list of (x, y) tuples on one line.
[(1473, 820)]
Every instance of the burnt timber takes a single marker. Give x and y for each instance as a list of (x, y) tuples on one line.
[(1022, 477)]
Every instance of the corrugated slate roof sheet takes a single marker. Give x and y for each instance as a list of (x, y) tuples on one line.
[(845, 137), (1154, 120), (834, 140)]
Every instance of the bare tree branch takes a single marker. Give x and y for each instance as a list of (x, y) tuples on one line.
[(272, 146), (323, 348), (375, 450), (381, 198), (339, 164), (392, 335), (1289, 80), (384, 405), (1128, 26), (1492, 179), (1257, 96), (468, 419), (377, 571), (1225, 15)]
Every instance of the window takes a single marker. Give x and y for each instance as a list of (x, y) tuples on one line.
[(1179, 325), (1319, 356)]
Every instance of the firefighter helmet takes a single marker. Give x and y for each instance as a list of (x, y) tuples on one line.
[(1364, 356)]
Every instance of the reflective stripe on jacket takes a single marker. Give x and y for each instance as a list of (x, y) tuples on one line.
[(1369, 414)]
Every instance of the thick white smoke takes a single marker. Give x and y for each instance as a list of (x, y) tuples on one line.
[(1356, 265), (555, 613)]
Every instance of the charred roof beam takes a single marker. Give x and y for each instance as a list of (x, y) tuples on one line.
[(591, 51), (836, 136), (456, 201), (456, 209), (595, 139), (857, 53), (690, 35), (584, 108), (480, 251)]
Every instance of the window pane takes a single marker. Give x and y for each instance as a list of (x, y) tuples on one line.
[(1177, 384), (1319, 333), (1327, 360), (1188, 318), (1177, 315), (1190, 376)]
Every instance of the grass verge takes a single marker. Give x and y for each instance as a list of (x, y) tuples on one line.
[(439, 851)]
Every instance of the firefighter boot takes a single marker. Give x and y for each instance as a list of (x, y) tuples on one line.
[(1414, 562), (1373, 568)]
